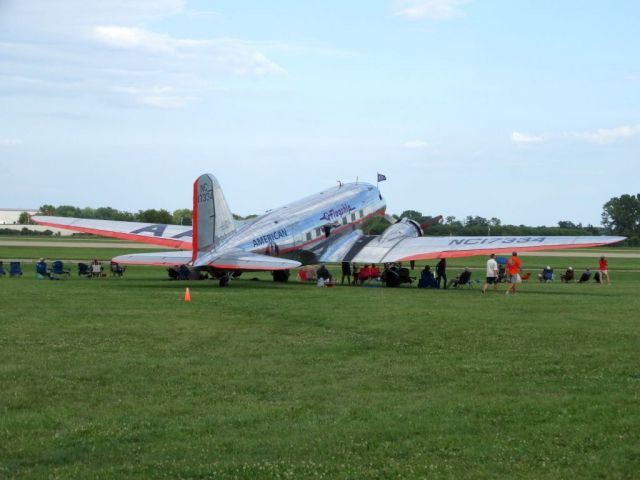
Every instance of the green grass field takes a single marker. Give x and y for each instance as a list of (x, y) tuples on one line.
[(120, 378)]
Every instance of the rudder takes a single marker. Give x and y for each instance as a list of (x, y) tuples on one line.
[(212, 219)]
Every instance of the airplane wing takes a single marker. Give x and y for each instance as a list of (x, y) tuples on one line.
[(175, 236), (382, 249), (176, 257), (232, 260)]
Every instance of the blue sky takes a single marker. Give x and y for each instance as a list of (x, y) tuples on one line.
[(528, 111)]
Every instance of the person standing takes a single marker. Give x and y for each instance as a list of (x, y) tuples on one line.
[(603, 268), (441, 272), (492, 274), (513, 269), (346, 273)]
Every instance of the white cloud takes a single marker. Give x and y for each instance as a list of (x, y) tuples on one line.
[(606, 135), (429, 9), (415, 144), (9, 142), (600, 136), (521, 138), (82, 48), (159, 96)]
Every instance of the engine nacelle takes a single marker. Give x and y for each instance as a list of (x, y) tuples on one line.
[(404, 228)]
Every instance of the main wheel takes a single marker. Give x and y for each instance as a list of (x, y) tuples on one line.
[(281, 275), (224, 281)]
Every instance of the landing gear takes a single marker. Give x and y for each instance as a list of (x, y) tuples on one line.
[(224, 281), (281, 275)]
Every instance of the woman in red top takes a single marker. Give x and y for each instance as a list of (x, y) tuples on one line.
[(603, 268)]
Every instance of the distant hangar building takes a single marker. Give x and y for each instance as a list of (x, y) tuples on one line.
[(10, 216), (9, 220)]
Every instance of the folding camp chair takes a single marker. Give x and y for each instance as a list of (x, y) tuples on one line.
[(84, 270), (42, 272), (461, 280), (57, 268), (116, 269), (15, 270)]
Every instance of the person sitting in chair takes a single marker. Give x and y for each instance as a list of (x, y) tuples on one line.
[(42, 271), (391, 275), (96, 268), (374, 273), (427, 279), (546, 275), (324, 273), (568, 275), (586, 275), (364, 274), (463, 279)]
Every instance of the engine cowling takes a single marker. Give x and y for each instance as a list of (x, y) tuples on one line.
[(403, 228)]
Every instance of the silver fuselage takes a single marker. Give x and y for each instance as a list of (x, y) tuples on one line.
[(302, 225)]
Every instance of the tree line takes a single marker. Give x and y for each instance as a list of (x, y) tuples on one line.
[(620, 216)]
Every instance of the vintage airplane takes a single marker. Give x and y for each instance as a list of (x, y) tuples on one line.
[(321, 228)]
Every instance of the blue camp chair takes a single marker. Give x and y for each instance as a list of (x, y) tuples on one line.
[(84, 270), (41, 270), (2, 272), (14, 269), (57, 268), (546, 275)]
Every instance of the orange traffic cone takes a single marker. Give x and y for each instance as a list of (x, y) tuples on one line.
[(187, 295)]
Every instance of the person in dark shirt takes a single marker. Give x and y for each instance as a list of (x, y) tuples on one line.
[(346, 273), (324, 273), (441, 272), (426, 279)]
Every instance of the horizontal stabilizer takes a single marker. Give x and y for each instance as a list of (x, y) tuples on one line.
[(176, 257), (241, 260)]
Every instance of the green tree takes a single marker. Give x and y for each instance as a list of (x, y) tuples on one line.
[(412, 215), (47, 210), (24, 219), (374, 226), (182, 216), (621, 215), (154, 216)]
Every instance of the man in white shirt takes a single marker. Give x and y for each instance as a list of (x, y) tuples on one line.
[(492, 274)]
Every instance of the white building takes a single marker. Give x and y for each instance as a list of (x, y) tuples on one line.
[(10, 216), (9, 219)]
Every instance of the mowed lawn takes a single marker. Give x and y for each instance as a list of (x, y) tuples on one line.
[(120, 378)]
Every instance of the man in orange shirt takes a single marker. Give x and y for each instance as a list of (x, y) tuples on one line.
[(513, 269)]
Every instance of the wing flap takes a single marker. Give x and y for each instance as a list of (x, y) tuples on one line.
[(173, 236)]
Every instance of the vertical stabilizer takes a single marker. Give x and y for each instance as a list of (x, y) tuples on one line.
[(212, 219)]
